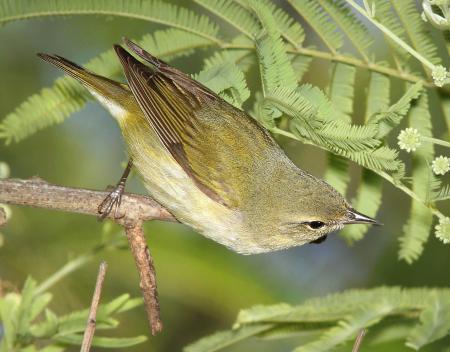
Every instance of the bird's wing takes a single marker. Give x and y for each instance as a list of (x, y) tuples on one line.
[(173, 103)]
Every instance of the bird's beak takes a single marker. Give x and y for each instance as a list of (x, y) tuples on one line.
[(355, 217)]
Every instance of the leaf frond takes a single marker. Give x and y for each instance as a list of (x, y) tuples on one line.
[(244, 21), (148, 10), (320, 22), (54, 104), (355, 31), (417, 229)]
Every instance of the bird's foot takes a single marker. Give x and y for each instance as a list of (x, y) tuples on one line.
[(112, 203)]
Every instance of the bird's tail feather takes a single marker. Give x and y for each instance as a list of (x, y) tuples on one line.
[(93, 82)]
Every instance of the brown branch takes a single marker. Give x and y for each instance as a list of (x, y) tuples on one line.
[(135, 210), (91, 323), (144, 263), (38, 193), (358, 340)]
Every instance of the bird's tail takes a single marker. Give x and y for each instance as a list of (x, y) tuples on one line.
[(93, 82)]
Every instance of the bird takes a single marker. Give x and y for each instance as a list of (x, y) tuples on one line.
[(214, 167)]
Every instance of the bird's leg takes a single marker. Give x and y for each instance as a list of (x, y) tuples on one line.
[(113, 199)]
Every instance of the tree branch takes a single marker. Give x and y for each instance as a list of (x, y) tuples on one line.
[(144, 264), (135, 210)]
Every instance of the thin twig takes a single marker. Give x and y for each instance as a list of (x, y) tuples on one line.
[(91, 323), (135, 210), (358, 340), (147, 275)]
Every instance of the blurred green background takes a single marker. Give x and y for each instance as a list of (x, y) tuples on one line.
[(202, 285)]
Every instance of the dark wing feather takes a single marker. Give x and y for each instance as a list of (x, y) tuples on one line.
[(169, 100)]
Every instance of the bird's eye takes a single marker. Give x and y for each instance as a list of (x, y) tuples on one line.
[(316, 224)]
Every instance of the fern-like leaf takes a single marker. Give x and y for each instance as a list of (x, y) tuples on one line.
[(66, 96), (368, 198), (390, 118), (416, 29), (223, 339), (155, 11), (300, 65), (226, 78), (320, 21), (385, 14), (290, 29), (441, 194), (348, 328), (232, 13), (337, 318), (417, 229), (275, 66), (349, 24), (341, 92), (434, 323)]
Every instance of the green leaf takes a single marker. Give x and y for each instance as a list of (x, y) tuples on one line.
[(368, 196), (66, 96), (9, 306), (349, 24), (25, 309), (105, 342), (417, 229), (39, 303), (300, 65), (326, 322), (367, 201), (233, 14), (341, 91), (223, 339), (416, 29), (441, 194), (348, 329), (243, 58), (384, 14), (226, 78), (434, 323), (390, 118), (320, 21), (289, 28), (148, 10), (261, 313), (275, 66), (46, 328)]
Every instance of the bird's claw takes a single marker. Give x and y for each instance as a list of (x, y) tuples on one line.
[(111, 203)]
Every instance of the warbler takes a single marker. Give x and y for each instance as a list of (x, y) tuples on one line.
[(210, 164)]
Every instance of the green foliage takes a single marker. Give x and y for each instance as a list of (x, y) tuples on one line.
[(223, 78), (349, 24), (417, 229), (30, 325), (271, 37), (234, 14), (389, 119), (341, 91), (336, 319), (148, 10), (416, 29), (66, 96), (320, 21), (275, 66), (368, 198)]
